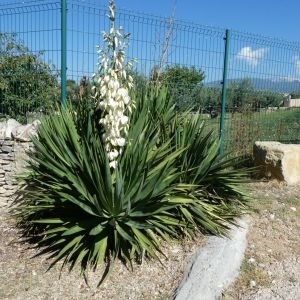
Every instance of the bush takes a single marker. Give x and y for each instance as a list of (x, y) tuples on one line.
[(98, 189), (169, 182), (27, 84)]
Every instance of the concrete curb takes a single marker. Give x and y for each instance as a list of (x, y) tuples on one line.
[(214, 266)]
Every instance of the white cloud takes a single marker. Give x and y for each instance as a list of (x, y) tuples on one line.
[(251, 56), (297, 63), (288, 78)]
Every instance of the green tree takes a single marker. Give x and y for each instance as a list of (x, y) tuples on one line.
[(209, 97), (268, 98), (295, 94), (240, 94), (185, 84), (27, 84)]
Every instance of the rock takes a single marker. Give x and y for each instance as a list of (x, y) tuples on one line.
[(7, 128), (7, 168), (2, 190), (24, 133), (6, 156), (7, 143), (9, 193), (4, 162), (15, 142), (252, 283), (6, 149), (278, 161), (215, 266), (252, 260), (8, 187)]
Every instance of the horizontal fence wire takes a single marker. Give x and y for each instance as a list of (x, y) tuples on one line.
[(263, 81)]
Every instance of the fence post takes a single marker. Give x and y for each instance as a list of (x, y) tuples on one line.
[(224, 88), (63, 97)]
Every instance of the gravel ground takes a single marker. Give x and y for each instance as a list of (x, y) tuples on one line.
[(24, 277), (270, 270)]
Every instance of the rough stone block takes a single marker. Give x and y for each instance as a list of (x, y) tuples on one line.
[(7, 168), (2, 190), (4, 162), (278, 161), (5, 156), (9, 187), (7, 128), (24, 133), (7, 143), (6, 149)]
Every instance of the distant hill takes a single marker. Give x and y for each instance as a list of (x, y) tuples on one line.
[(276, 85)]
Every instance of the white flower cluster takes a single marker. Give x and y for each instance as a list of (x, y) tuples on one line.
[(111, 90)]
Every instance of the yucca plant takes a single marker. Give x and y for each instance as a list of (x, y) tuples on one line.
[(169, 182), (83, 213), (100, 188)]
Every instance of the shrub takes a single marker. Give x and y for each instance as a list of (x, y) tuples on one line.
[(167, 181), (27, 84)]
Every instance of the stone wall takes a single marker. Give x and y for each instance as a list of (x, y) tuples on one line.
[(15, 142)]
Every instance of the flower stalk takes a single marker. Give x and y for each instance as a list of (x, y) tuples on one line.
[(112, 89)]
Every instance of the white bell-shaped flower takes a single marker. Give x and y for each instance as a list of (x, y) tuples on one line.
[(112, 91)]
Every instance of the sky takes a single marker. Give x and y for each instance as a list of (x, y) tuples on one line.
[(275, 18), (199, 46)]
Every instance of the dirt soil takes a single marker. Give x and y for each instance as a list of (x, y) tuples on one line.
[(271, 269), (24, 276)]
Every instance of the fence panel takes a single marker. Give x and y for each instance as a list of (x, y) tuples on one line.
[(156, 43), (263, 73), (29, 57)]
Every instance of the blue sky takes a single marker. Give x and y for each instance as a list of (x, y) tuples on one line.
[(248, 57), (276, 18), (191, 45)]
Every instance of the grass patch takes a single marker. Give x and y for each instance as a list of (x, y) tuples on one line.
[(243, 129), (250, 272), (251, 278)]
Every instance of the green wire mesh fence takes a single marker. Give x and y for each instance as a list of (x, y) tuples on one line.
[(29, 64), (262, 83)]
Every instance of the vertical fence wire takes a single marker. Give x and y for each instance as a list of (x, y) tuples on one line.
[(63, 96), (224, 90)]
